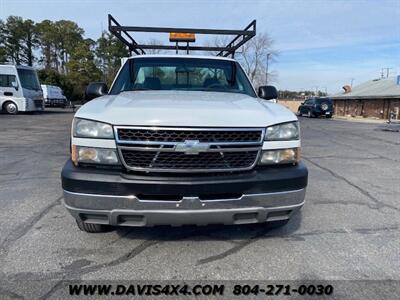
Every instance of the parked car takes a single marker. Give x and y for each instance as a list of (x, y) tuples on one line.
[(316, 107), (182, 139), (54, 96), (20, 89)]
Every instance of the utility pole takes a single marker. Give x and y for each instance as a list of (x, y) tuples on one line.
[(387, 72), (266, 69)]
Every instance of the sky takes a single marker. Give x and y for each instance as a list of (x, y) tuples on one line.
[(322, 44)]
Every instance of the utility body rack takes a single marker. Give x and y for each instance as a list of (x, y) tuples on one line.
[(185, 35)]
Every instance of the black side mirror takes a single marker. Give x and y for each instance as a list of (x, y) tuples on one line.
[(95, 89), (267, 92)]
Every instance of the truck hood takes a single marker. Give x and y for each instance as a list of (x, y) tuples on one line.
[(184, 108)]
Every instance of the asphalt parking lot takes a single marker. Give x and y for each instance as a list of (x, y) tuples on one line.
[(348, 228)]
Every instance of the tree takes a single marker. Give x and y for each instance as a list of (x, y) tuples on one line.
[(82, 68), (3, 52), (69, 35), (58, 40), (254, 55), (46, 34), (30, 40), (109, 52), (153, 42), (13, 39), (18, 40)]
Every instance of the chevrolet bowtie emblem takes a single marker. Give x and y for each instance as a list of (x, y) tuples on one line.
[(192, 147)]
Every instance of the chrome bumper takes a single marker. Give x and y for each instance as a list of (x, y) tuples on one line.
[(130, 211)]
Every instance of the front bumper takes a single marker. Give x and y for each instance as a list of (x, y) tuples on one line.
[(115, 198), (33, 105), (56, 102)]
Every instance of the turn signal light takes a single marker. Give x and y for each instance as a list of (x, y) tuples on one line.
[(93, 155), (74, 154), (281, 156)]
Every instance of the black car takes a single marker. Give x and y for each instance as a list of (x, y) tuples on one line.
[(316, 107)]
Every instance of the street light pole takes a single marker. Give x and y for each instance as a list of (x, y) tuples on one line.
[(266, 69)]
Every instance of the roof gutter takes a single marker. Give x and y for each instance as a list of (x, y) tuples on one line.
[(365, 97)]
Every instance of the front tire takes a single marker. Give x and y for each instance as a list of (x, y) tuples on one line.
[(11, 108), (91, 228)]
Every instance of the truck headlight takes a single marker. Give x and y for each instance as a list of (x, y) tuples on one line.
[(281, 156), (101, 156), (91, 129), (283, 132)]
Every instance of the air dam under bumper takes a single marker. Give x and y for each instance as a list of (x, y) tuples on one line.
[(114, 198)]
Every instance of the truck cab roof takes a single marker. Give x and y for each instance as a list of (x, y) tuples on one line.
[(13, 67)]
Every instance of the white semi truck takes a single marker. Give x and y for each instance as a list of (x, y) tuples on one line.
[(20, 90)]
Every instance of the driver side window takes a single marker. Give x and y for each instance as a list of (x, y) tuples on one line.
[(7, 80)]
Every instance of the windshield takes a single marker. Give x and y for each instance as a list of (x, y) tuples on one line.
[(182, 74), (29, 79)]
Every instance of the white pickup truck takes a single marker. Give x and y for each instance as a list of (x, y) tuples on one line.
[(182, 140)]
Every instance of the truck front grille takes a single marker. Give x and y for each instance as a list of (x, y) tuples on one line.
[(204, 136), (182, 161), (38, 103), (188, 150)]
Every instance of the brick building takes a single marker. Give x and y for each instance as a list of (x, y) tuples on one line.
[(374, 98)]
